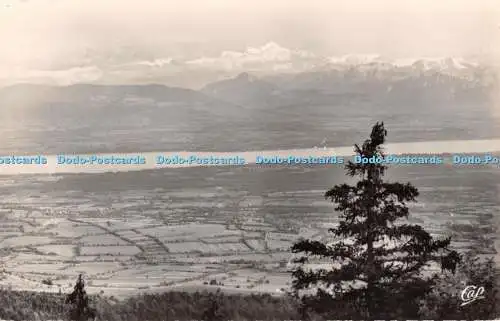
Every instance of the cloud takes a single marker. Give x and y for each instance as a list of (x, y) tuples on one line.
[(55, 77), (156, 62)]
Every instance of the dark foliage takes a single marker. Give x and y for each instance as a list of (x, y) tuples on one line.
[(19, 306), (200, 306), (444, 302), (441, 303), (214, 310), (378, 258)]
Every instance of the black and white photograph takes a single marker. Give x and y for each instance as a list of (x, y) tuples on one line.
[(219, 160)]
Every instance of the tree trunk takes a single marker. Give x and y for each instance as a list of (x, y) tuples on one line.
[(370, 275), (372, 177)]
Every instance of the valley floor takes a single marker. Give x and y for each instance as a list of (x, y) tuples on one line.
[(122, 258)]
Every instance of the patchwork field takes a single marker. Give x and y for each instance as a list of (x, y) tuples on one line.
[(119, 258), (231, 228)]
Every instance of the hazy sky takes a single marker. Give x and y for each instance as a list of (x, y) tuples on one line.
[(35, 32)]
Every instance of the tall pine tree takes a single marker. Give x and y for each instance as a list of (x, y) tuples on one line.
[(377, 261)]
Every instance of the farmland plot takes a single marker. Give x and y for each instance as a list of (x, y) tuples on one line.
[(278, 245), (21, 283), (109, 250), (10, 233), (117, 225), (92, 268), (61, 250), (228, 258), (197, 230), (258, 245), (39, 268), (101, 240), (105, 258), (255, 227), (222, 239), (20, 241), (126, 282), (220, 248), (6, 227), (130, 235), (29, 257), (138, 278), (177, 239), (73, 230)]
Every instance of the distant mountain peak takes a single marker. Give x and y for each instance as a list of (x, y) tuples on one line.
[(268, 57), (241, 89), (421, 63)]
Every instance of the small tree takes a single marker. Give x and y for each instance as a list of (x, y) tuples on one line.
[(78, 299), (376, 259), (214, 310)]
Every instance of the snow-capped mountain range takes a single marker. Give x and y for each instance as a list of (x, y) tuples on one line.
[(267, 60), (271, 57)]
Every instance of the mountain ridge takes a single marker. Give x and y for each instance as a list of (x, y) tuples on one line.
[(198, 69), (38, 94)]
